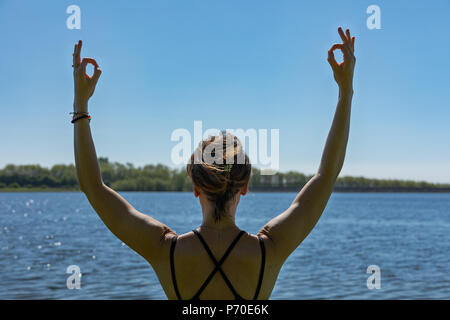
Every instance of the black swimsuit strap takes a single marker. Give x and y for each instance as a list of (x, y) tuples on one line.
[(261, 271), (218, 265), (172, 267)]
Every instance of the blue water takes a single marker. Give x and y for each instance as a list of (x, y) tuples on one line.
[(406, 235)]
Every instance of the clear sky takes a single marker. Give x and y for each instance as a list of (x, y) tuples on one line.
[(231, 64)]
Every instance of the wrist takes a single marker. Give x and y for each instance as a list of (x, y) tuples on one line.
[(346, 91), (80, 106)]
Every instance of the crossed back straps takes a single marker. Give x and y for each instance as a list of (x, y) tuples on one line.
[(218, 266)]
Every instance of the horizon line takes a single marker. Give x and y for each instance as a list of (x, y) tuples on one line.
[(253, 167)]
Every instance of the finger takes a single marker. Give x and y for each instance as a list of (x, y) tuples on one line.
[(77, 54), (339, 46), (347, 33), (96, 75), (342, 35), (353, 42), (349, 42), (91, 61), (344, 48), (83, 65), (347, 51), (79, 46), (332, 60), (73, 55)]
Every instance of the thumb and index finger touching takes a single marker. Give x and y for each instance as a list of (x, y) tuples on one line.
[(97, 71), (347, 47), (81, 64)]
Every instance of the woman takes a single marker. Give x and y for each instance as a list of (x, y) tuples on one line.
[(217, 260)]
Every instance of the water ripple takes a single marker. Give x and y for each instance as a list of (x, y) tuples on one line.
[(407, 235)]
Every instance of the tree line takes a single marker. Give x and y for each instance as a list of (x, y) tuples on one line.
[(127, 177)]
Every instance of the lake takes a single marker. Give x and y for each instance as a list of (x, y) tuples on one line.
[(407, 235)]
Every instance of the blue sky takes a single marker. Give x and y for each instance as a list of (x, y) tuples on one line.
[(231, 64)]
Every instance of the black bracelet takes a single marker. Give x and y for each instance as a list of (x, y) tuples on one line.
[(81, 117), (81, 112)]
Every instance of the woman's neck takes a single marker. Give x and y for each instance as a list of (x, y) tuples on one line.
[(224, 223), (227, 221)]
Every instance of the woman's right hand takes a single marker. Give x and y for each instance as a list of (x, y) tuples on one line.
[(343, 72), (83, 84)]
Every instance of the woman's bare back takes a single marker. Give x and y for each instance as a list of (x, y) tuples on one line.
[(242, 266)]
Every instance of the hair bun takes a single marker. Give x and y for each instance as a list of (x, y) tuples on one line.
[(220, 168)]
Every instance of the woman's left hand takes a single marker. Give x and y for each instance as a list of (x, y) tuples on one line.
[(343, 72), (83, 84)]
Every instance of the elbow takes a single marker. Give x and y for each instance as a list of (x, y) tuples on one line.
[(84, 190), (327, 176), (82, 186), (88, 188), (330, 172)]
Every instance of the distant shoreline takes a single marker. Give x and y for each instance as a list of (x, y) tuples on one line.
[(161, 178)]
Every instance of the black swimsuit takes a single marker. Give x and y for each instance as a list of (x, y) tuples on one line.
[(218, 265)]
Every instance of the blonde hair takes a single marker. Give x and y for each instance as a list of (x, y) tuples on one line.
[(220, 168)]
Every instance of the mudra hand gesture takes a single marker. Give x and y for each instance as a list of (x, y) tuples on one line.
[(84, 85), (343, 72)]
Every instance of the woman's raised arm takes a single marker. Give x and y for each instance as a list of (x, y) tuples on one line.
[(288, 230), (142, 233)]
